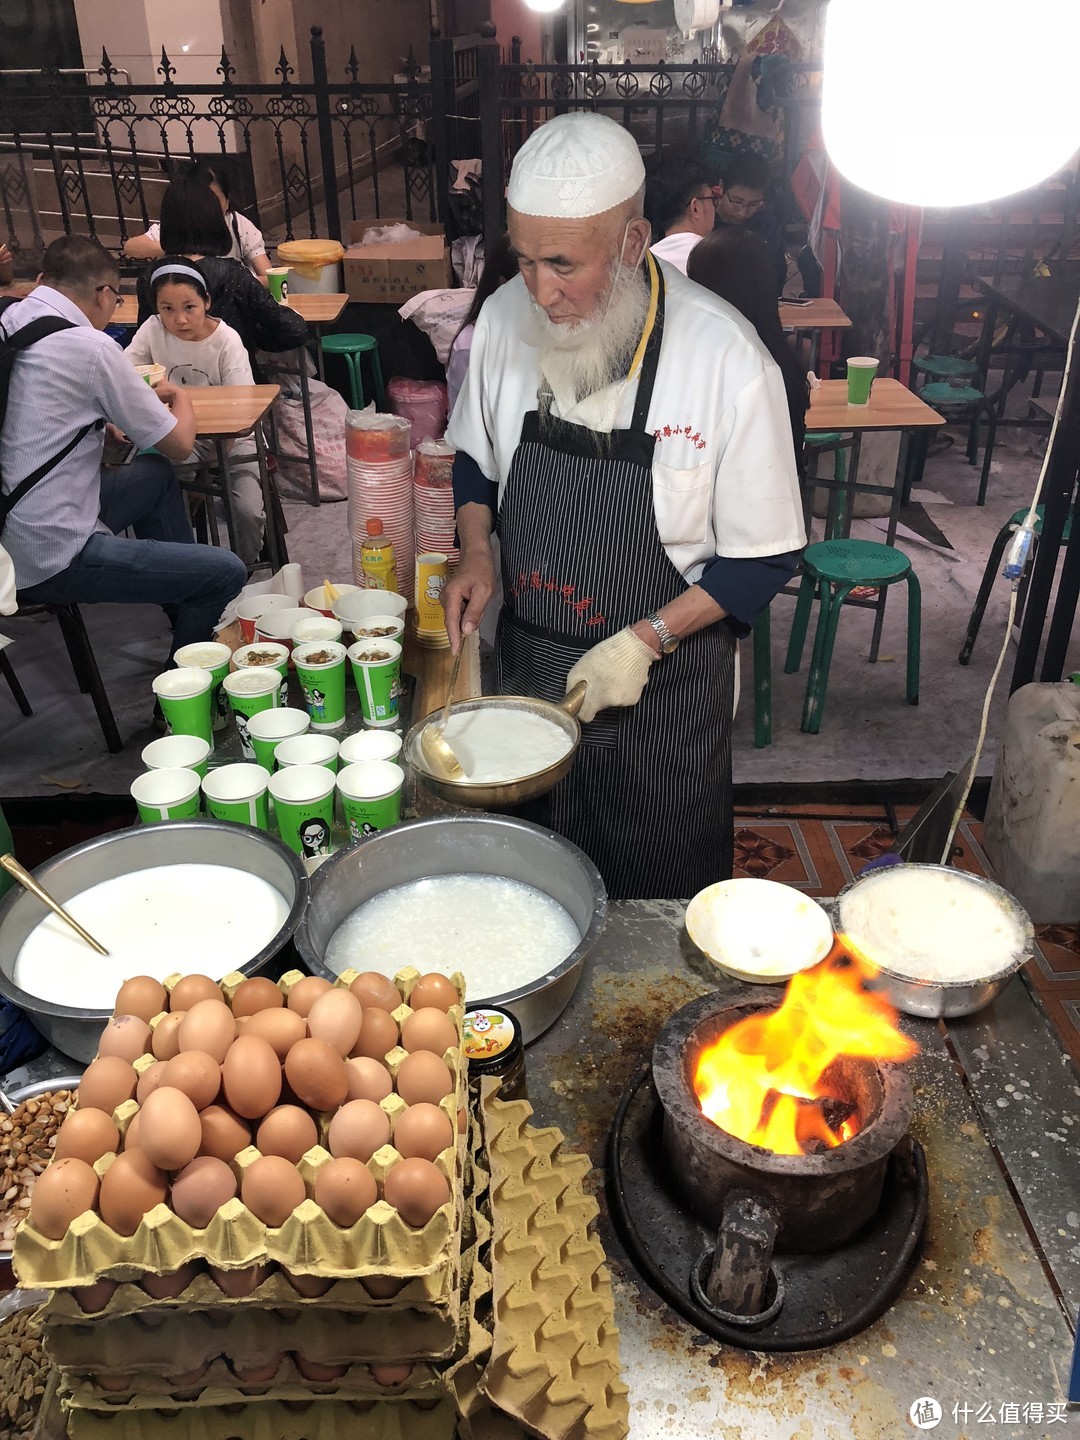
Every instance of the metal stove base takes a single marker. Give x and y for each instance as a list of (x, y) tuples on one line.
[(828, 1297)]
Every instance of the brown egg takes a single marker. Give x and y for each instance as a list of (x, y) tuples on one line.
[(316, 1073), (131, 1134), (131, 1188), (200, 1189), (224, 1134), (371, 988), (191, 989), (126, 1036), (433, 989), (305, 992), (142, 996), (197, 1074), (239, 1283), (271, 1189), (86, 1135), (318, 1371), (336, 1017), (107, 1083), (344, 1189), (422, 1132), (429, 1029), (382, 1287), (113, 1383), (92, 1298), (287, 1131), (165, 1041), (170, 1132), (281, 1029), (391, 1374), (251, 1077), (150, 1079), (367, 1079), (172, 1285), (423, 1076), (209, 1025), (259, 1374), (357, 1130), (416, 1190), (310, 1286), (257, 994), (378, 1034), (66, 1189)]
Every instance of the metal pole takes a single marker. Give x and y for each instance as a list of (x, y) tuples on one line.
[(487, 68), (326, 132), (442, 107)]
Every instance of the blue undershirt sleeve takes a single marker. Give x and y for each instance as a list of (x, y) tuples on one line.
[(472, 485), (744, 587)]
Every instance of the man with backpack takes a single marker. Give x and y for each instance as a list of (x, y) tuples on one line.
[(61, 514)]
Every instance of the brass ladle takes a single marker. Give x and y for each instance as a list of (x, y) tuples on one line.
[(27, 881), (433, 743)]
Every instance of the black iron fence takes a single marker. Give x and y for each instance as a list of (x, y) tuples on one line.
[(89, 151)]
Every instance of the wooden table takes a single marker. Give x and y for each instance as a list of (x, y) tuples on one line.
[(809, 320), (228, 412), (892, 406)]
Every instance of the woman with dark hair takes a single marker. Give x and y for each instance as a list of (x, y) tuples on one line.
[(193, 225), (735, 264), (246, 241), (500, 266)]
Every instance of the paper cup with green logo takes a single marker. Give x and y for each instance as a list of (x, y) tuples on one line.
[(370, 745), (177, 752), (379, 627), (184, 696), (316, 627), (238, 793), (251, 691), (212, 656), (320, 668), (267, 730), (376, 668), (370, 794), (167, 795), (278, 281), (304, 807), (266, 652), (315, 748), (861, 370)]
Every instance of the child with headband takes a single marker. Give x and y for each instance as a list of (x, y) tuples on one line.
[(197, 349)]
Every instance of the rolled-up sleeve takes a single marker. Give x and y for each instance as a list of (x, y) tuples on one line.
[(745, 587), (471, 485)]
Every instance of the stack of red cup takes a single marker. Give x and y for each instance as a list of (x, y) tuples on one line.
[(433, 498), (380, 467)]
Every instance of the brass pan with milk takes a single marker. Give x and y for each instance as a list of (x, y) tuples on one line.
[(502, 794)]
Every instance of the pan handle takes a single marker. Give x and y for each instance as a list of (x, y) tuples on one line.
[(573, 700)]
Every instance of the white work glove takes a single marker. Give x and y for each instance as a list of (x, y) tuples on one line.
[(615, 672)]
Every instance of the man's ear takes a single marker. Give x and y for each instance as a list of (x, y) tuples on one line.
[(638, 235)]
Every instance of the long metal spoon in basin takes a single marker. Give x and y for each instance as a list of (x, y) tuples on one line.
[(433, 743), (27, 881)]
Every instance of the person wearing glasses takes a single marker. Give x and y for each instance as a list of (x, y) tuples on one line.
[(740, 200), (678, 203), (64, 533)]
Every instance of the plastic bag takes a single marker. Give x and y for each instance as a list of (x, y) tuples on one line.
[(467, 259), (328, 412), (422, 403), (390, 235), (439, 314), (308, 257)]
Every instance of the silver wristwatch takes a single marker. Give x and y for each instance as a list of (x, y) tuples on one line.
[(668, 641)]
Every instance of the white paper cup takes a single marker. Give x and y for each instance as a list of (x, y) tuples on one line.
[(248, 611), (238, 793), (313, 748), (358, 603), (370, 745), (177, 752), (391, 626), (166, 795), (316, 627), (267, 729), (317, 599), (243, 660), (277, 625)]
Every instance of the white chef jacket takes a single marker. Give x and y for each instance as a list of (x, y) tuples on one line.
[(675, 249), (724, 479)]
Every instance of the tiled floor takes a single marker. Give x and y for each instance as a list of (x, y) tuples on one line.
[(824, 847)]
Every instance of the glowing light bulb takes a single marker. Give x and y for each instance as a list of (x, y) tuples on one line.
[(545, 7)]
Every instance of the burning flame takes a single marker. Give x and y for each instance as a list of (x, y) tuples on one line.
[(761, 1080)]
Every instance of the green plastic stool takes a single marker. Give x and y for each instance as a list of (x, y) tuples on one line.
[(945, 367), (351, 348), (832, 569), (762, 651)]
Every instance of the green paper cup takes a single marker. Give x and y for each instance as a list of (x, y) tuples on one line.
[(184, 696), (238, 793), (376, 668), (266, 652), (316, 627), (370, 796), (370, 745), (320, 668), (177, 752), (278, 281), (268, 728), (861, 370), (210, 655), (166, 795), (379, 627), (304, 808), (251, 691), (312, 749)]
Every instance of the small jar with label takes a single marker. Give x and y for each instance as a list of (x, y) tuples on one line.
[(492, 1044)]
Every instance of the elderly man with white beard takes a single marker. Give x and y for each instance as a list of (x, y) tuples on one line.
[(626, 436)]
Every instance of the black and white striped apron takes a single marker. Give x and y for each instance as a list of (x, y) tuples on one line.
[(649, 794)]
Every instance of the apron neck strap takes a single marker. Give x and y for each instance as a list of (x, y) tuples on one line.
[(647, 354)]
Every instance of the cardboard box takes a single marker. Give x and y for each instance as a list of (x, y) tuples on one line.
[(392, 274)]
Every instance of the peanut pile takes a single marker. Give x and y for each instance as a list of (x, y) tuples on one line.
[(23, 1374), (27, 1138)]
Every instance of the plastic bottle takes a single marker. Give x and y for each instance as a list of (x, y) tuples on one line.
[(377, 559)]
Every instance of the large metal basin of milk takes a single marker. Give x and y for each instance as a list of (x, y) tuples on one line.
[(456, 845)]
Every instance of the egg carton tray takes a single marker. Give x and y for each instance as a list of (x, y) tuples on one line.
[(313, 1419)]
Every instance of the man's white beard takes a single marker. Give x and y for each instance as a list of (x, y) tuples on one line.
[(588, 355)]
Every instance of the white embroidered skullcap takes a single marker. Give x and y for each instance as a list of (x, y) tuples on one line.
[(575, 166)]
